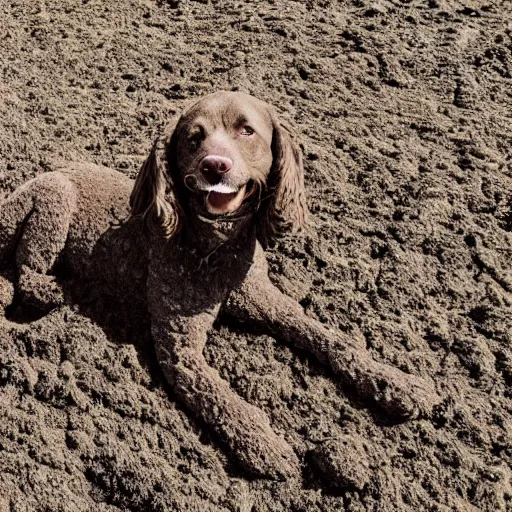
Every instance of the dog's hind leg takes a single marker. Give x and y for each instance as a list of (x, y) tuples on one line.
[(14, 211), (6, 292), (34, 223)]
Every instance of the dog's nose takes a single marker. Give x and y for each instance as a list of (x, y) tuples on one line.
[(212, 164)]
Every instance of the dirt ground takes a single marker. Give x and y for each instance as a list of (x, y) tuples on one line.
[(403, 109)]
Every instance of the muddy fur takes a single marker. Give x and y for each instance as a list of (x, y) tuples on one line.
[(79, 216)]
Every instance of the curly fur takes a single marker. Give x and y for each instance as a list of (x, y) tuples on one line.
[(155, 241)]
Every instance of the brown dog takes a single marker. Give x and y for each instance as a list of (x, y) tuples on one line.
[(224, 181)]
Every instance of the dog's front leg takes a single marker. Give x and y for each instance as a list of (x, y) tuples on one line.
[(183, 308), (257, 301)]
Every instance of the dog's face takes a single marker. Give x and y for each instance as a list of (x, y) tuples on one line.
[(224, 150), (227, 151)]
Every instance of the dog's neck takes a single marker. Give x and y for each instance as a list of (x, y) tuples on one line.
[(206, 236)]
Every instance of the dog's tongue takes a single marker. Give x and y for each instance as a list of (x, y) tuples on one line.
[(220, 203)]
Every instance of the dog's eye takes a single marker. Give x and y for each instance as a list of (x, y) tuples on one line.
[(195, 138), (246, 130)]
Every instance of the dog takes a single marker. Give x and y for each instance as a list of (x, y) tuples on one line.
[(187, 240)]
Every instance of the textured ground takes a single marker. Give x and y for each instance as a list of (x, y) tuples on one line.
[(404, 109)]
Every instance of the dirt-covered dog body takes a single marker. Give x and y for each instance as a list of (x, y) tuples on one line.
[(187, 238)]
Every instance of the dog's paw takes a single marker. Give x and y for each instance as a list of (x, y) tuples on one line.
[(400, 395), (263, 453), (342, 462), (39, 291)]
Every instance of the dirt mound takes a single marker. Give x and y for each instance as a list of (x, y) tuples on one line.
[(403, 111)]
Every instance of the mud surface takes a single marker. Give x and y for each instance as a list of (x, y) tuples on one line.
[(404, 113)]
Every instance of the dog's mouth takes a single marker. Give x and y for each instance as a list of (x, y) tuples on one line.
[(222, 199)]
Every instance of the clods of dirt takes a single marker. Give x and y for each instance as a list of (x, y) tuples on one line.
[(402, 109)]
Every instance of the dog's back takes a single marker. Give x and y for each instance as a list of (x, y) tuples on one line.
[(102, 197), (104, 246)]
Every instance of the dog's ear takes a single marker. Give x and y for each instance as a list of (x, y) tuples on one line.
[(154, 195), (285, 209)]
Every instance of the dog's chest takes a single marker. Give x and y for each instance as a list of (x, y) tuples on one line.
[(181, 281)]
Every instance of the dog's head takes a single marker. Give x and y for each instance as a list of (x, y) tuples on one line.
[(227, 155)]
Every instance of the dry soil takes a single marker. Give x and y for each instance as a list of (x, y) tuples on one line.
[(403, 110)]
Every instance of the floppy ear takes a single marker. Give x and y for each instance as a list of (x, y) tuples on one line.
[(154, 196), (285, 209)]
